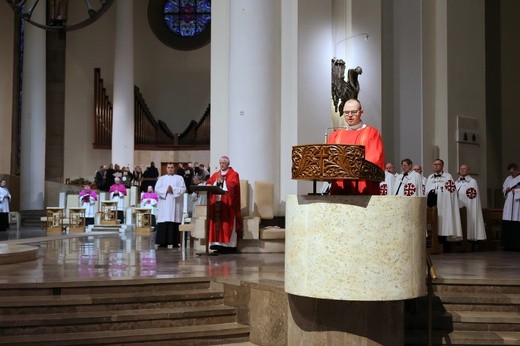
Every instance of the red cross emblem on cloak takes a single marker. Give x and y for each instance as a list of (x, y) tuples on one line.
[(471, 193), (450, 186), (383, 189), (409, 189)]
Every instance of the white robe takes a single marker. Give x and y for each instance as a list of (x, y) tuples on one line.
[(149, 203), (512, 199), (387, 187), (409, 185), (170, 206), (90, 210), (120, 199), (447, 205), (469, 197), (5, 197)]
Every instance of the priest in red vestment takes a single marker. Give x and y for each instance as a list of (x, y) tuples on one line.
[(225, 222), (358, 133)]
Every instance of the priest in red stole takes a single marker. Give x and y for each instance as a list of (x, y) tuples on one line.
[(225, 221), (358, 133)]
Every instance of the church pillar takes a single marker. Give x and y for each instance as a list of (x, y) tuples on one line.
[(32, 166), (219, 81), (289, 96), (253, 94), (254, 89), (123, 116)]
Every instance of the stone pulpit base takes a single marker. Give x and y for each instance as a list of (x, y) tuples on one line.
[(350, 262)]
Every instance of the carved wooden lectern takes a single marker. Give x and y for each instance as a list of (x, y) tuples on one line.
[(320, 162), (210, 190)]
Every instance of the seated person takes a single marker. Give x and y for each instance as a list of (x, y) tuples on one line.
[(149, 200), (117, 193)]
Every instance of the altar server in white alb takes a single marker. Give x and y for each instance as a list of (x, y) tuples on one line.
[(387, 187), (5, 198), (511, 215), (170, 189), (442, 193), (87, 199), (469, 197), (408, 183)]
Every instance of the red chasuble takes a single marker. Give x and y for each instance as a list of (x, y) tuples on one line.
[(374, 152), (220, 229)]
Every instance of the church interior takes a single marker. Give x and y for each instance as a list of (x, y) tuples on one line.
[(116, 82)]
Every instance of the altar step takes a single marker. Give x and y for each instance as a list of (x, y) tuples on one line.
[(32, 218), (110, 228), (184, 311), (467, 312), (272, 240)]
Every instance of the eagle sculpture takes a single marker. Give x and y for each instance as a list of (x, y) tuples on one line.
[(342, 90)]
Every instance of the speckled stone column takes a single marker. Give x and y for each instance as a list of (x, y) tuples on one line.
[(350, 261)]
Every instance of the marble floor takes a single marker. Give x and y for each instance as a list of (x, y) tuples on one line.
[(112, 256)]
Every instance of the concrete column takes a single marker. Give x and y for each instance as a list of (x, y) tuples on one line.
[(289, 92), (219, 80), (32, 166), (245, 88), (254, 90), (123, 122)]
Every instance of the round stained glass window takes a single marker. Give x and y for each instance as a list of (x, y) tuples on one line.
[(187, 18), (181, 24)]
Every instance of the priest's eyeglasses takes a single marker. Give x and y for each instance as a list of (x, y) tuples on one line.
[(354, 113)]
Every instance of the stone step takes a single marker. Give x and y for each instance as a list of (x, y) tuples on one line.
[(261, 246), (499, 287), (116, 301), (480, 298), (272, 233), (31, 218), (417, 338), (185, 335), (146, 285), (35, 324), (467, 320)]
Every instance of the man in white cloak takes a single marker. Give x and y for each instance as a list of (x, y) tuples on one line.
[(418, 168), (170, 189), (387, 187), (442, 193), (469, 197), (510, 235), (409, 182)]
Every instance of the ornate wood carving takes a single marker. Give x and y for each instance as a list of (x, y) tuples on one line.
[(333, 161)]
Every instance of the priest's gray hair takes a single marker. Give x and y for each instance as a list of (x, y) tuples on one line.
[(225, 159)]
